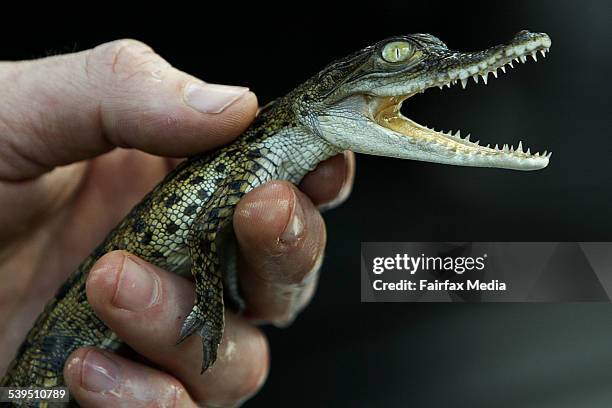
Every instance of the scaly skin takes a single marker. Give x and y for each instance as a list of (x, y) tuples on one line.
[(184, 224)]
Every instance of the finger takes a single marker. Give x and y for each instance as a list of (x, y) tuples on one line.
[(67, 108), (281, 238), (98, 378), (330, 184), (146, 307)]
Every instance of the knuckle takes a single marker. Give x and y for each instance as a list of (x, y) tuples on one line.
[(122, 58)]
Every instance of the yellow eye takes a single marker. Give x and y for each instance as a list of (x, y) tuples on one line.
[(397, 51)]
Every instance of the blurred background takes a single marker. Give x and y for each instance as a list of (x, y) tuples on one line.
[(340, 352)]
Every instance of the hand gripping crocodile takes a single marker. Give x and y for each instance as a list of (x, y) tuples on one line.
[(184, 224)]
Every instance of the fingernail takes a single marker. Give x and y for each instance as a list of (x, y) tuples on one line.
[(212, 98), (295, 224), (137, 289), (99, 373)]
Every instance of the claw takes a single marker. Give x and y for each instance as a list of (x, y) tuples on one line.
[(191, 324), (196, 322), (210, 345)]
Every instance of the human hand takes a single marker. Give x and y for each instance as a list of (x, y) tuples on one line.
[(78, 135)]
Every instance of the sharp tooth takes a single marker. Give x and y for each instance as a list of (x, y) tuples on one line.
[(467, 137), (523, 59), (475, 78), (534, 56), (545, 153), (505, 148), (496, 147), (549, 154), (485, 77), (477, 142), (537, 154), (547, 49), (516, 59), (440, 86), (510, 63), (543, 53), (464, 83), (503, 68), (520, 147), (529, 151), (495, 73)]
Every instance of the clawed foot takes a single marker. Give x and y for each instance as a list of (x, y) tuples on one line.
[(210, 329)]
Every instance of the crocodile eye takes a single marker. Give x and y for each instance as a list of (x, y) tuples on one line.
[(397, 51)]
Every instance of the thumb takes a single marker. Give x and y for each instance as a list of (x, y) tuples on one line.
[(67, 108)]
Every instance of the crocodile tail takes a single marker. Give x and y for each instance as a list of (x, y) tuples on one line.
[(67, 323)]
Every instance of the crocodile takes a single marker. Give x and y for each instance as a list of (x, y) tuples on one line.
[(184, 224)]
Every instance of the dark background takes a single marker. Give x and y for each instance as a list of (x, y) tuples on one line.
[(343, 353)]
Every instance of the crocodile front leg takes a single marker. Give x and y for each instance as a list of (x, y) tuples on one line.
[(207, 316)]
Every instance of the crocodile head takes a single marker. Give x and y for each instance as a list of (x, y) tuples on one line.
[(357, 99)]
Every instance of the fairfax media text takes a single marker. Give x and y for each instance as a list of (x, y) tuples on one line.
[(438, 285)]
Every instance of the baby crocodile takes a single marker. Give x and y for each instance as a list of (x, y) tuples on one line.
[(183, 224)]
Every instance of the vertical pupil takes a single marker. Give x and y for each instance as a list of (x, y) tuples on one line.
[(397, 53)]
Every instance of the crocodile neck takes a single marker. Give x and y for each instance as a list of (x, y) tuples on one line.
[(291, 147)]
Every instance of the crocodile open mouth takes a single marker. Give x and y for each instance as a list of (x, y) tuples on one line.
[(388, 113)]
